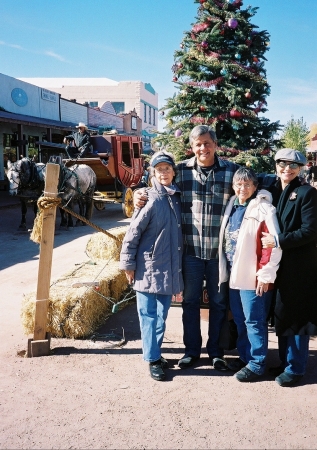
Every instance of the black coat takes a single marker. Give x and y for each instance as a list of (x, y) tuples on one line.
[(296, 301)]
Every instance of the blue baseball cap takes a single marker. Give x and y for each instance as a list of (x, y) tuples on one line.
[(161, 158)]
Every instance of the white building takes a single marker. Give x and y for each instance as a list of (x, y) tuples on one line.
[(125, 96)]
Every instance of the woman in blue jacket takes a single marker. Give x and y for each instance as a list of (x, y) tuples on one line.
[(151, 257)]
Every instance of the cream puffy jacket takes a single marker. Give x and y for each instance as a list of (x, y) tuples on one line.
[(251, 261)]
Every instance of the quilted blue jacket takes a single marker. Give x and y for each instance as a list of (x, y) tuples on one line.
[(152, 246)]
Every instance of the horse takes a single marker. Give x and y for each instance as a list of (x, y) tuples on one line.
[(26, 180), (76, 184)]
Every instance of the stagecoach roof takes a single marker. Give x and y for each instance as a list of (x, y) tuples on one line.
[(35, 121)]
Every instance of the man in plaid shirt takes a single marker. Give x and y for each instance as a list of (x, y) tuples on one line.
[(206, 185)]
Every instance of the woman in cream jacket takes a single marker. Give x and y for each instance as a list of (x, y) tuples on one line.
[(250, 269)]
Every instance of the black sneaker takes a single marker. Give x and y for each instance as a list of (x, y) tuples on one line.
[(156, 370), (287, 380), (187, 361), (235, 364), (246, 375), (219, 364)]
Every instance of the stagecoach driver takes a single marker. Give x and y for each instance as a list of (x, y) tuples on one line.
[(80, 140)]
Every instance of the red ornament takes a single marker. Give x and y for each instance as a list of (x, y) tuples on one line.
[(180, 65), (175, 79), (202, 1), (202, 108), (255, 59), (204, 45), (248, 94), (248, 42), (235, 114)]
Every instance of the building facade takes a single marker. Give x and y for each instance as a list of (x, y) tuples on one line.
[(31, 115), (125, 96)]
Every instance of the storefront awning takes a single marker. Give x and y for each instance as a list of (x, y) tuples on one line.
[(35, 121)]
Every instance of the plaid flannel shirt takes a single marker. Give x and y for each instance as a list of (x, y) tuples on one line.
[(203, 204)]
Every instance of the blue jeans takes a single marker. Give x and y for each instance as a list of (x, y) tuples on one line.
[(194, 271), (152, 311), (250, 313), (293, 352)]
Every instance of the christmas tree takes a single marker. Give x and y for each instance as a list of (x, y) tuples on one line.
[(221, 80)]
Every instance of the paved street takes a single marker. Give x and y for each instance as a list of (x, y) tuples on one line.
[(87, 396)]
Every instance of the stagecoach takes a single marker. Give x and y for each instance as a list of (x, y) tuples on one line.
[(118, 165)]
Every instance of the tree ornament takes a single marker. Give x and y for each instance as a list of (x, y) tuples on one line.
[(248, 164), (255, 59), (202, 1), (162, 113), (267, 43), (158, 144), (181, 45), (235, 114), (248, 42), (202, 108), (180, 65), (223, 72), (178, 133), (204, 45), (175, 79), (232, 23), (248, 95), (237, 56)]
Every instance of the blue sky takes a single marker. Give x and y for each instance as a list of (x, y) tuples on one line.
[(136, 40)]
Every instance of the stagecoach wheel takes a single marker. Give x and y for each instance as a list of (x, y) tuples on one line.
[(127, 202), (100, 206)]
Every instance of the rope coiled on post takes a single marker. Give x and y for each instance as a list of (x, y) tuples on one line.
[(43, 203)]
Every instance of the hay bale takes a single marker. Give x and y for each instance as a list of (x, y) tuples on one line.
[(76, 312), (101, 246)]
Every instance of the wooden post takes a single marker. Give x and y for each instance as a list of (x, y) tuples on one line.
[(40, 345)]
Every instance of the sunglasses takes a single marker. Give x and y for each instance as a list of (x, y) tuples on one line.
[(291, 165)]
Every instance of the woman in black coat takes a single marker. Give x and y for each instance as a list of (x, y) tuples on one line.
[(295, 312)]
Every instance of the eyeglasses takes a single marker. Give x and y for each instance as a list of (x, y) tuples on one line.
[(243, 185), (291, 165)]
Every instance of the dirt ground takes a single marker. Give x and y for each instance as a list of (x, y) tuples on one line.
[(88, 396)]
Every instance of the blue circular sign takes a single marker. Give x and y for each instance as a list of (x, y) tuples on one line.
[(19, 96)]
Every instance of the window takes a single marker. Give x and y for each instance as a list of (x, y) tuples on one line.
[(153, 116), (9, 151), (136, 150), (126, 158), (144, 113), (150, 110), (93, 104), (32, 140), (133, 123), (118, 107), (33, 148)]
